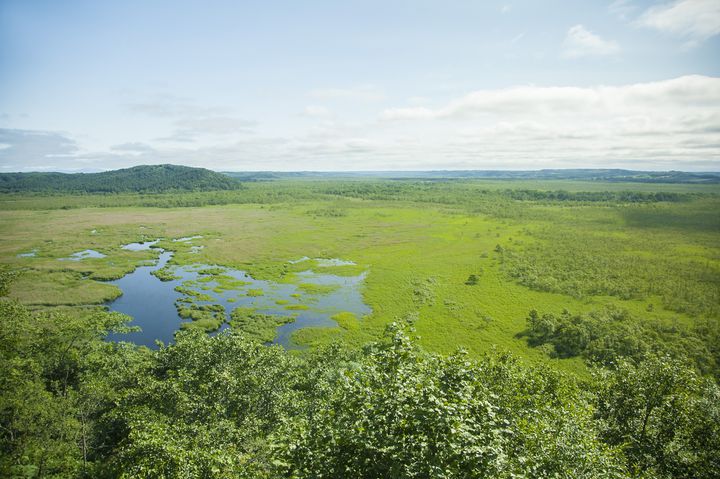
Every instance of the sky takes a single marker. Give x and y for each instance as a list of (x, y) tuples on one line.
[(360, 85)]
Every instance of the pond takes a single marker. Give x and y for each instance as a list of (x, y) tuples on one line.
[(80, 255), (141, 246), (186, 239), (311, 299)]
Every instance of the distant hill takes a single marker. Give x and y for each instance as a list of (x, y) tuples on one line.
[(140, 179), (615, 175)]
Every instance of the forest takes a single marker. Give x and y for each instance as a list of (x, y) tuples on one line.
[(516, 328), (144, 179)]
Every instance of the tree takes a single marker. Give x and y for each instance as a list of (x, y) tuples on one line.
[(665, 417)]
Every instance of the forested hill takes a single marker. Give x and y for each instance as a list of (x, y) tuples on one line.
[(145, 179)]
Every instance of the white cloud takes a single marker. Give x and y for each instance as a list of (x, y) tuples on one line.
[(581, 42), (671, 124), (666, 124), (688, 92), (696, 20)]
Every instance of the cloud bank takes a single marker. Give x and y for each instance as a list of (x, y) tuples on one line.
[(670, 124), (696, 20)]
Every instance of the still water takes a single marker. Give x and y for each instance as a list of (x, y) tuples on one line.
[(151, 302)]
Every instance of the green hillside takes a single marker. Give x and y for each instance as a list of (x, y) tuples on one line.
[(143, 179)]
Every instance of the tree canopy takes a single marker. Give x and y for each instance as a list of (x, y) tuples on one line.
[(225, 406), (143, 179)]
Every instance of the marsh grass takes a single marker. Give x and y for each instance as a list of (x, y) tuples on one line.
[(419, 242), (262, 327)]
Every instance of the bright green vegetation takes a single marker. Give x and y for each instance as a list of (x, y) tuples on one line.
[(469, 258), (165, 274), (192, 294), (260, 327), (317, 289), (316, 265), (226, 282), (297, 307), (346, 320), (74, 405), (205, 317), (143, 179), (49, 288), (255, 292), (625, 262), (604, 337), (315, 337)]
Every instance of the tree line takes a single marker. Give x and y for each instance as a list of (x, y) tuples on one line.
[(138, 179)]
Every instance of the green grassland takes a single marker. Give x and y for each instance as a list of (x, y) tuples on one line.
[(657, 256)]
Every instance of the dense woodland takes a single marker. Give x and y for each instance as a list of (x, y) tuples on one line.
[(488, 197), (141, 179)]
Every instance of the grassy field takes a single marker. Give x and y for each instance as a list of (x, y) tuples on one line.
[(420, 242)]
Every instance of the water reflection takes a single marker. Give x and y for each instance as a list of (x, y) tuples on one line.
[(152, 303)]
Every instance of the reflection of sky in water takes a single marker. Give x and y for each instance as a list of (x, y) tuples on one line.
[(324, 262), (142, 246), (151, 302), (80, 255), (185, 239)]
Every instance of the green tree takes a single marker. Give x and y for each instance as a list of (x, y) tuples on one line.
[(665, 417)]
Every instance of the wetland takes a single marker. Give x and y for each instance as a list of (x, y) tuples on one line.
[(163, 298)]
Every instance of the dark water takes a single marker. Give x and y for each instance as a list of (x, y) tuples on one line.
[(151, 302)]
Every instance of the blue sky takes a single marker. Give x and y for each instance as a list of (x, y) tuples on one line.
[(371, 85)]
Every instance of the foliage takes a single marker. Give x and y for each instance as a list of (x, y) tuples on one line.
[(591, 260), (205, 407), (399, 412), (605, 336), (258, 326), (46, 405), (666, 419), (145, 179), (224, 406), (595, 196), (165, 274), (205, 317)]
